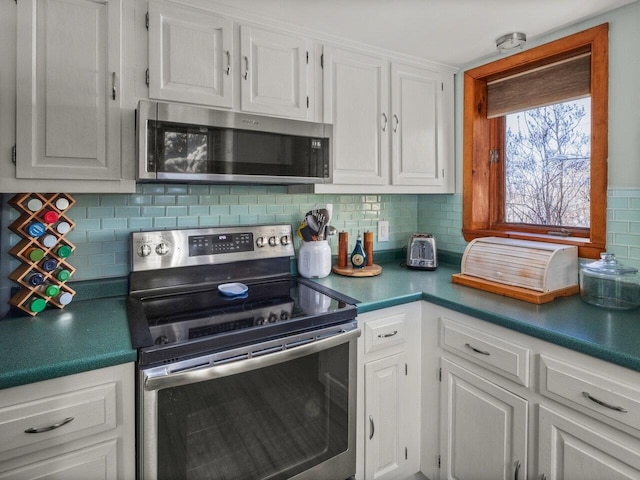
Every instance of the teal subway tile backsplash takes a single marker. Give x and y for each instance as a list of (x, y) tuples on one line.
[(104, 222)]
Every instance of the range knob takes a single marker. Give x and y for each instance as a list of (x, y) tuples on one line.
[(144, 250), (260, 241), (273, 318), (162, 249), (285, 240), (273, 241), (161, 340)]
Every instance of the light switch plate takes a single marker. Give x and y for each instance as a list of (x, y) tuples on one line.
[(383, 231)]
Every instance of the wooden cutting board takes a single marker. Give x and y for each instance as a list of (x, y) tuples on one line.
[(349, 271)]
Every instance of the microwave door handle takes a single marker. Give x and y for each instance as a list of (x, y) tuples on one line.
[(196, 375)]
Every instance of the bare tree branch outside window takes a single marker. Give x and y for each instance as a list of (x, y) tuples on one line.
[(547, 170)]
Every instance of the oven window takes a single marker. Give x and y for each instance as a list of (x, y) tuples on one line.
[(191, 149), (273, 422)]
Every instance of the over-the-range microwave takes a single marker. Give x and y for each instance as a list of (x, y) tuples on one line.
[(185, 143)]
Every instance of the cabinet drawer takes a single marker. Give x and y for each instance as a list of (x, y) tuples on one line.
[(55, 419), (498, 355), (384, 332), (577, 387)]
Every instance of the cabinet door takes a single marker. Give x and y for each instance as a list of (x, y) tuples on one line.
[(274, 71), (419, 147), (483, 428), (384, 450), (190, 55), (68, 89), (356, 99), (569, 450)]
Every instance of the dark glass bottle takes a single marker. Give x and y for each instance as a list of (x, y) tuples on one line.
[(358, 256)]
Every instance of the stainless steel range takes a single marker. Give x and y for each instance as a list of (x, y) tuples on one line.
[(245, 372)]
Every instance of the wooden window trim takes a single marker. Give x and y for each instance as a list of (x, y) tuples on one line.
[(483, 190)]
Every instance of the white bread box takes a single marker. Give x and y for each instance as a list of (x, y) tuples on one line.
[(533, 271)]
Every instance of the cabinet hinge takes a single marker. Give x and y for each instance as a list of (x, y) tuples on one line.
[(146, 77), (322, 60), (13, 150), (146, 20), (406, 453), (440, 374), (494, 155), (438, 461)]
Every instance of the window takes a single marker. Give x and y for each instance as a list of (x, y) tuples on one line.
[(535, 144)]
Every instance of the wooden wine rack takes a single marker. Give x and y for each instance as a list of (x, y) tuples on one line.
[(28, 242)]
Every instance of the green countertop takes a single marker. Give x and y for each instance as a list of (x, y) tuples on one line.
[(93, 333), (611, 335), (86, 335)]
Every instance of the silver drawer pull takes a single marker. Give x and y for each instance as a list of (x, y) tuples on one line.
[(387, 335), (604, 404), (481, 352), (49, 428), (517, 474)]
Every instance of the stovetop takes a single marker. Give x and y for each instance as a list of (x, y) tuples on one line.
[(177, 310)]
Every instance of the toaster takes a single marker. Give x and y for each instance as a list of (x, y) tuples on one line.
[(421, 252)]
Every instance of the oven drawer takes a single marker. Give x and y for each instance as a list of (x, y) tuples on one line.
[(54, 419), (496, 354), (577, 387), (384, 332)]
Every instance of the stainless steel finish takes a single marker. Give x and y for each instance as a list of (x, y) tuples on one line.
[(50, 427), (604, 404), (214, 366), (157, 378), (180, 113), (387, 335), (384, 127), (421, 252), (477, 350), (170, 248), (517, 472), (372, 427)]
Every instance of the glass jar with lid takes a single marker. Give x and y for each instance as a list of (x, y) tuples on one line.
[(608, 283)]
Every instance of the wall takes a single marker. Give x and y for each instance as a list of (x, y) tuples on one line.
[(442, 215), (103, 222)]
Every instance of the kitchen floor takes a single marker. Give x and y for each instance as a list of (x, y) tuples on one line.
[(417, 476)]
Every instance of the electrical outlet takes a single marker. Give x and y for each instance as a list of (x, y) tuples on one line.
[(383, 231)]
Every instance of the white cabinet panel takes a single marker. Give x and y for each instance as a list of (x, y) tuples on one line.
[(190, 55), (274, 73), (384, 413), (577, 449), (356, 99), (484, 428), (68, 89)]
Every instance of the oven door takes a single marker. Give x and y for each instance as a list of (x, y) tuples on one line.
[(288, 414)]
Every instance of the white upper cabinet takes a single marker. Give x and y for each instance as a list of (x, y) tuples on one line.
[(68, 118), (356, 100), (190, 55), (421, 125), (274, 73), (392, 125)]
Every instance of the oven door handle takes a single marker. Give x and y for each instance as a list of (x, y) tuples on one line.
[(166, 379)]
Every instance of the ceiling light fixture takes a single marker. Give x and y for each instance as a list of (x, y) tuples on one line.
[(511, 41)]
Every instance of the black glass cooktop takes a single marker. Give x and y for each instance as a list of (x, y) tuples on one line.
[(168, 327)]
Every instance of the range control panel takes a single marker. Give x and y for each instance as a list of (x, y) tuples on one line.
[(181, 248)]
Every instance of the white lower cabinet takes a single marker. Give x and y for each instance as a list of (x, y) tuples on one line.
[(578, 419), (484, 428), (388, 429), (576, 447), (75, 427)]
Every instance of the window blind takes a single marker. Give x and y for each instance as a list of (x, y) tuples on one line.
[(556, 82)]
